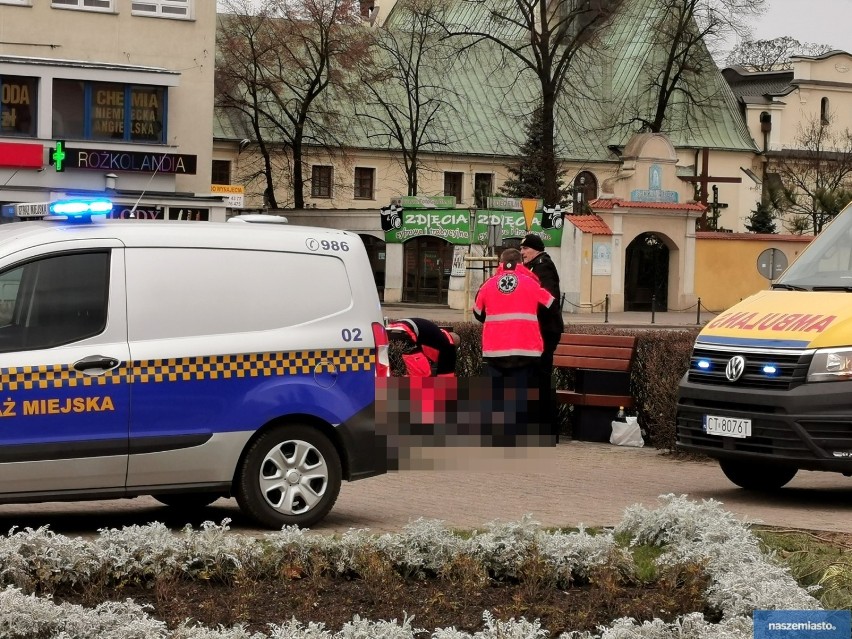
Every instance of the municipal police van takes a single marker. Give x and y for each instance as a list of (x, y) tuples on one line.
[(187, 361)]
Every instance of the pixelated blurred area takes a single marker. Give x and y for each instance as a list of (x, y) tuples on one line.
[(526, 460), (415, 413)]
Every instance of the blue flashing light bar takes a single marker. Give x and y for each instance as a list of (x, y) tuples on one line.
[(770, 370), (703, 364), (80, 209)]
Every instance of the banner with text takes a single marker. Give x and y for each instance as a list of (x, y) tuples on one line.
[(454, 225)]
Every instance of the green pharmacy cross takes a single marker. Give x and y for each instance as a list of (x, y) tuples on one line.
[(57, 156)]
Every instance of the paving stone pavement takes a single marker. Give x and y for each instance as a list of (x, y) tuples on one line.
[(571, 484)]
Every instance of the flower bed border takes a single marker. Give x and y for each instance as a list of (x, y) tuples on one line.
[(743, 579)]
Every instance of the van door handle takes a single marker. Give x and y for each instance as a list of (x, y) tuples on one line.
[(96, 361)]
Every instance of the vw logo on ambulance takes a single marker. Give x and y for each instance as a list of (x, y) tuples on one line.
[(735, 368)]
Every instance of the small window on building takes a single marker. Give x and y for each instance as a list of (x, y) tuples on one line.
[(178, 9), (453, 184), (483, 186), (20, 2), (86, 5), (221, 172), (824, 112), (364, 183), (321, 181)]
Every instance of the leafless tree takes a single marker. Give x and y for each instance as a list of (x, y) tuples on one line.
[(408, 98), (683, 35), (544, 38), (772, 55), (816, 177), (240, 91), (278, 59)]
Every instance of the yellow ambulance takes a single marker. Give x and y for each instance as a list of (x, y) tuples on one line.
[(769, 386)]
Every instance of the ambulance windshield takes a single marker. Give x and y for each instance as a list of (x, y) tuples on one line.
[(826, 264)]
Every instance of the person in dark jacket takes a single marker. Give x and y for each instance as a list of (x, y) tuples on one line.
[(549, 319), (430, 350)]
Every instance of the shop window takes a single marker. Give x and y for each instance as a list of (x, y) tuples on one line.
[(18, 105), (221, 172), (453, 184), (321, 181), (109, 111), (364, 183), (180, 9), (86, 5)]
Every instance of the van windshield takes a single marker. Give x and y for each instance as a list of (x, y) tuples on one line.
[(826, 264)]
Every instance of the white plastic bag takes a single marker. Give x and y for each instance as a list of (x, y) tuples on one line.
[(627, 433)]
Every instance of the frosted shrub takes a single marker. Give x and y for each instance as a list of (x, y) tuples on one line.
[(512, 629), (363, 629), (200, 632), (504, 546), (677, 521), (43, 558), (691, 626), (138, 553), (573, 555), (212, 553), (297, 630), (423, 547), (742, 578), (27, 616)]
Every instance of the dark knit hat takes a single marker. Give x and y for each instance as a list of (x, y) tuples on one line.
[(534, 242)]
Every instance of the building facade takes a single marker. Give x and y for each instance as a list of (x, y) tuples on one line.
[(108, 97)]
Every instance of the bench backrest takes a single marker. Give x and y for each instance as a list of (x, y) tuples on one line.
[(595, 352)]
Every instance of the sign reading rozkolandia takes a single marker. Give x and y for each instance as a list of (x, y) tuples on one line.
[(135, 161)]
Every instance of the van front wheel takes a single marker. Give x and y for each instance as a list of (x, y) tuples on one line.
[(290, 477), (756, 476)]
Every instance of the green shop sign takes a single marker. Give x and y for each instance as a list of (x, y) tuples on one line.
[(454, 225)]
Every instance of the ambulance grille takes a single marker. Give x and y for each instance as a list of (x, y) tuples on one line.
[(790, 368)]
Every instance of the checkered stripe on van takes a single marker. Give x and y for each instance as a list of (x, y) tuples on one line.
[(55, 376), (192, 369), (251, 365)]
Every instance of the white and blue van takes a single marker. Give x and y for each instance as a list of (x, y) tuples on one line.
[(188, 361)]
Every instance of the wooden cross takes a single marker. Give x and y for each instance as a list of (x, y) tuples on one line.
[(704, 179)]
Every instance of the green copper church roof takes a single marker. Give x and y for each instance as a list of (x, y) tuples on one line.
[(489, 97)]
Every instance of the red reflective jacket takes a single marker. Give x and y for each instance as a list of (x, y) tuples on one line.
[(509, 301)]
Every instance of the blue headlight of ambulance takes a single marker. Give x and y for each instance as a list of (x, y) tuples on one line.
[(81, 209)]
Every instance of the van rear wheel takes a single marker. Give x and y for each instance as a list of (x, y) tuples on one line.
[(756, 476), (290, 476)]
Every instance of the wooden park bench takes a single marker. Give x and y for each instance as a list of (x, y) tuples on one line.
[(601, 365)]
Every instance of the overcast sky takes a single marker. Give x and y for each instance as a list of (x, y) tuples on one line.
[(815, 21)]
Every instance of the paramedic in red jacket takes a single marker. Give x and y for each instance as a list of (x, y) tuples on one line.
[(507, 304)]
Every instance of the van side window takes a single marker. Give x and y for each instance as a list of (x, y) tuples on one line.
[(53, 301)]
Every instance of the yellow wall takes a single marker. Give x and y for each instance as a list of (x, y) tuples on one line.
[(726, 268)]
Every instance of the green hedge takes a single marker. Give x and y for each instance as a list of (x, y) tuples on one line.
[(662, 358)]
